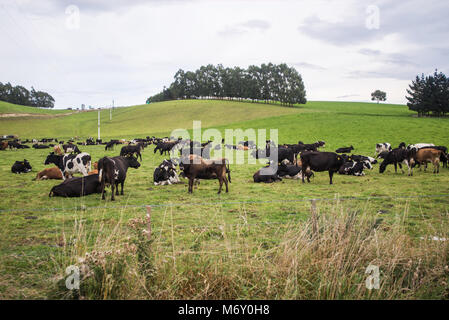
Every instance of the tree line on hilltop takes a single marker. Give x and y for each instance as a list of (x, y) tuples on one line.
[(22, 96), (269, 83), (429, 95)]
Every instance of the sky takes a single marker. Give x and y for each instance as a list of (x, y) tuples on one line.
[(93, 52)]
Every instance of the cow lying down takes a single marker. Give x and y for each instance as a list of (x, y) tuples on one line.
[(165, 174), (77, 187), (355, 168), (21, 167)]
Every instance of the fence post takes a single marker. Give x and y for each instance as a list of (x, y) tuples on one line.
[(149, 221), (314, 217)]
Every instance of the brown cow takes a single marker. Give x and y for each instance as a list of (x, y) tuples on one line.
[(57, 150), (195, 167), (4, 145), (49, 173), (95, 171), (423, 156)]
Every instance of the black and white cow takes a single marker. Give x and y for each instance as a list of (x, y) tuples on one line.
[(112, 171), (291, 171), (396, 157), (71, 163), (415, 147), (71, 148), (165, 174), (382, 147), (21, 166), (355, 168)]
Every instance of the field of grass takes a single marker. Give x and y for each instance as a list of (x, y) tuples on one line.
[(250, 243)]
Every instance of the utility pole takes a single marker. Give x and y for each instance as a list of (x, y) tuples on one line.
[(110, 110), (98, 124)]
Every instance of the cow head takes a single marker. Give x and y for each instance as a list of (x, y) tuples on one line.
[(53, 158), (132, 162)]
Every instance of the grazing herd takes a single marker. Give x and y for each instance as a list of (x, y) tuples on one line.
[(291, 161)]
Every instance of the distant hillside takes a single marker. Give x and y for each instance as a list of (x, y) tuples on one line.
[(163, 117), (10, 108)]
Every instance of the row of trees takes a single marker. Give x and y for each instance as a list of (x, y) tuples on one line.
[(21, 95), (429, 95), (269, 83)]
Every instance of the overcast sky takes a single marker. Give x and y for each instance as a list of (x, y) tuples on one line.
[(94, 51)]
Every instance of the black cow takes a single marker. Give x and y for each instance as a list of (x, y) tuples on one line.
[(16, 145), (396, 157), (21, 167), (40, 146), (266, 175), (77, 187), (130, 151), (321, 161), (344, 149), (112, 171), (165, 147), (109, 145), (291, 171)]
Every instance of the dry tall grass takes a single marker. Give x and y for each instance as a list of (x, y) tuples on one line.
[(325, 257)]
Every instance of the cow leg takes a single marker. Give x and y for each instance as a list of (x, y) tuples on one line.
[(226, 183), (123, 183), (116, 188), (395, 168), (112, 191), (102, 191), (190, 185), (331, 173), (220, 181)]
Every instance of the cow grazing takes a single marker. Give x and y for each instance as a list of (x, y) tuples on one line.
[(70, 163), (49, 173), (77, 187), (382, 147), (344, 149), (130, 151), (321, 161), (165, 174), (112, 171), (194, 167), (423, 156), (21, 167), (165, 147), (396, 157)]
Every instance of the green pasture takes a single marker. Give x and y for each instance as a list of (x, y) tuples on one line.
[(34, 226)]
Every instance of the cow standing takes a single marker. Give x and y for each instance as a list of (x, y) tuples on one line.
[(321, 161), (112, 171)]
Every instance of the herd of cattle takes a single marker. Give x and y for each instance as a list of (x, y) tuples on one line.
[(295, 161)]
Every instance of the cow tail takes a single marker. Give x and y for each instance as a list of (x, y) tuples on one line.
[(227, 170), (100, 169)]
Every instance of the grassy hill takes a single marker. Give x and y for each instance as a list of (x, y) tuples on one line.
[(10, 108)]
